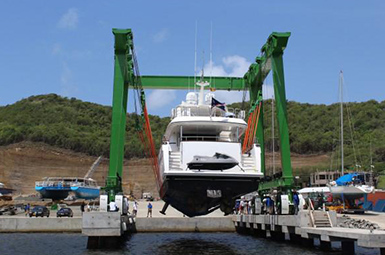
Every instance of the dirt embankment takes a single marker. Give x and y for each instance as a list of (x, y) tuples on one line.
[(24, 163)]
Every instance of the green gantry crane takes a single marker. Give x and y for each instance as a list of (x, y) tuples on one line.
[(270, 59)]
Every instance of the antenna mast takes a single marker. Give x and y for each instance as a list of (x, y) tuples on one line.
[(342, 122), (195, 57), (211, 51)]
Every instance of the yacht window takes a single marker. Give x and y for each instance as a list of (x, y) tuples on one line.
[(199, 137)]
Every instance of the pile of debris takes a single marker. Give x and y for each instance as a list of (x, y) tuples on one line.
[(361, 224)]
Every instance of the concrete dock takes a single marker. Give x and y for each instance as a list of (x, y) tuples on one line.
[(173, 221), (301, 229), (184, 224), (22, 224), (14, 224)]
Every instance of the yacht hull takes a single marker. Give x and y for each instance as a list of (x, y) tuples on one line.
[(351, 190), (200, 195), (86, 193), (60, 193), (53, 193), (5, 191)]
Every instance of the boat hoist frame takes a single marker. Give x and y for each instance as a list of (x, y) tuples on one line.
[(270, 59)]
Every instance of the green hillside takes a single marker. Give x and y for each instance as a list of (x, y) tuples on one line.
[(316, 129), (85, 127), (70, 124)]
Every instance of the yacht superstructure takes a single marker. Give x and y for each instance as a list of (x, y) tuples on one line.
[(201, 163)]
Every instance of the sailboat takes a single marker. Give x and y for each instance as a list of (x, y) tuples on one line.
[(349, 187)]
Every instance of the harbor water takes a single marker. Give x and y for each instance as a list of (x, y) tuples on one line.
[(157, 244)]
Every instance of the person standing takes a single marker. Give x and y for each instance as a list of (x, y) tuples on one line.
[(82, 207), (236, 207), (242, 206), (296, 202), (113, 207), (135, 208), (126, 206), (268, 205), (149, 210), (27, 208)]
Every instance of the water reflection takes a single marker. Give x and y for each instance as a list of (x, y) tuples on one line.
[(158, 244), (187, 246)]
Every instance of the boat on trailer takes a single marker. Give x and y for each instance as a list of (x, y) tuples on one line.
[(58, 188), (5, 191), (201, 164)]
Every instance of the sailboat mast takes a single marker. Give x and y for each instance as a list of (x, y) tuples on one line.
[(371, 163), (342, 123)]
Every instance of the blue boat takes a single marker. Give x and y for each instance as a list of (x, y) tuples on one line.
[(4, 190), (58, 188)]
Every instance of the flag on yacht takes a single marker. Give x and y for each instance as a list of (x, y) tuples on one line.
[(216, 103)]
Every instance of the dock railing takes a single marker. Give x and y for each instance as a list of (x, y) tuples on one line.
[(311, 210)]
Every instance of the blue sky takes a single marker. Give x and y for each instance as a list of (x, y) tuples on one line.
[(66, 47)]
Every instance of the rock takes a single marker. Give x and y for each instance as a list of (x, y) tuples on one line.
[(360, 224)]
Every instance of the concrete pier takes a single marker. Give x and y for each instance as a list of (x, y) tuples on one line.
[(22, 224), (184, 224), (106, 229), (12, 224), (302, 229), (106, 224)]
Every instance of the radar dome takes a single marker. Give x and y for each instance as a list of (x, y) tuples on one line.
[(191, 98)]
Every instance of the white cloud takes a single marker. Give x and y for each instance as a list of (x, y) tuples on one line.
[(160, 98), (68, 87), (267, 91), (238, 64), (160, 36), (235, 66), (230, 97), (69, 20)]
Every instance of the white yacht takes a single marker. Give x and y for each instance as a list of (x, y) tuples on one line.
[(201, 165)]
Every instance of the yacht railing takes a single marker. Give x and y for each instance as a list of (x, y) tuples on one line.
[(63, 184), (53, 184), (209, 139), (183, 111)]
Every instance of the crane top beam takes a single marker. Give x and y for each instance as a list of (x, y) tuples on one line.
[(256, 74), (187, 82)]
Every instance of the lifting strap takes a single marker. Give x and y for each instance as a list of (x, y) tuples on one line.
[(145, 135), (252, 125), (143, 123)]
